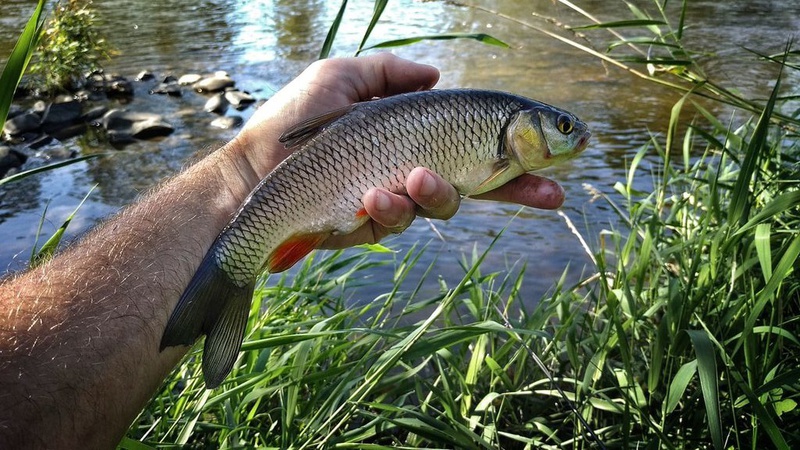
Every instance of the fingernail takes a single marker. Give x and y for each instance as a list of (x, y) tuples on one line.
[(382, 201), (428, 185)]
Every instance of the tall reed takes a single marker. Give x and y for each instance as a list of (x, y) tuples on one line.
[(684, 334)]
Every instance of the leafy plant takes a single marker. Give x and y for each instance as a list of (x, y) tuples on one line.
[(69, 48), (683, 335)]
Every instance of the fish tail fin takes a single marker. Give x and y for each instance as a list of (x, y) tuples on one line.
[(213, 305)]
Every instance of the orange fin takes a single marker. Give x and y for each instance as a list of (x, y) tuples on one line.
[(306, 129), (361, 213), (500, 168), (293, 250)]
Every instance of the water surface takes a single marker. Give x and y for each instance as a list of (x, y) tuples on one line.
[(263, 44)]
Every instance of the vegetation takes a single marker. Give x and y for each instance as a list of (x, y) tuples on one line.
[(684, 335), (70, 47), (18, 60)]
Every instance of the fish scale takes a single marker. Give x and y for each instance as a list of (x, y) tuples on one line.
[(476, 140)]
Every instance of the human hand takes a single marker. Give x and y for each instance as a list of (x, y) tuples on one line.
[(335, 83)]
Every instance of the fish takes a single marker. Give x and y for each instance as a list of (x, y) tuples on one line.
[(477, 140)]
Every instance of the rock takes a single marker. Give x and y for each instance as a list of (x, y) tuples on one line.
[(40, 142), (217, 104), (10, 160), (55, 150), (151, 128), (227, 122), (66, 98), (145, 75), (61, 115), (171, 89), (39, 108), (119, 137), (213, 84), (123, 126), (69, 131), (23, 123), (170, 79), (189, 78), (118, 86), (14, 110), (239, 99), (94, 113), (83, 95)]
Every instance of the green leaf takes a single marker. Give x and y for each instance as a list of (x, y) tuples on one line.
[(18, 61), (49, 167), (49, 247), (480, 37), (785, 405), (332, 32), (679, 384), (377, 11), (707, 369), (763, 249), (621, 24), (132, 444), (742, 198)]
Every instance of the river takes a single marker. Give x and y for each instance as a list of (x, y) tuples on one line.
[(265, 43)]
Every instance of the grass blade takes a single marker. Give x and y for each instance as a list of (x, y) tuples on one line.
[(742, 200), (332, 32), (480, 37), (620, 24), (49, 247), (18, 61), (377, 12), (679, 384), (48, 167), (707, 369)]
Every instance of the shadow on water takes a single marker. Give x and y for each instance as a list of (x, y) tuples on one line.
[(265, 43)]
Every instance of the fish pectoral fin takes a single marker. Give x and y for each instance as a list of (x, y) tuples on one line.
[(495, 180), (225, 338), (306, 129), (293, 250)]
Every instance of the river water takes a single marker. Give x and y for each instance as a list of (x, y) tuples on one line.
[(265, 43)]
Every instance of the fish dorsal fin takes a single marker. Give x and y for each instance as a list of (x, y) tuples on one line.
[(306, 129)]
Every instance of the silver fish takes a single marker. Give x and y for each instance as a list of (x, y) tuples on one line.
[(477, 140)]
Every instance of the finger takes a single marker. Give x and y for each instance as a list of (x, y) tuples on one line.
[(528, 190), (384, 74), (435, 197), (391, 211)]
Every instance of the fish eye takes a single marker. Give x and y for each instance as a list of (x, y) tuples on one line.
[(565, 124)]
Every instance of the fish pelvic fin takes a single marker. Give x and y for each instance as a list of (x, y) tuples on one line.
[(292, 250), (213, 305)]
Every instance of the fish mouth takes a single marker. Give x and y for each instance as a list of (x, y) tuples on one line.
[(583, 142)]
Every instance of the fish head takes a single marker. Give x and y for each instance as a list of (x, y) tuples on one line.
[(543, 136)]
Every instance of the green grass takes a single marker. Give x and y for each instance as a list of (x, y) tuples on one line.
[(683, 333)]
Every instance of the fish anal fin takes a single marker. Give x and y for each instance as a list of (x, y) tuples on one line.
[(214, 305), (199, 304), (293, 250), (305, 130), (496, 179), (225, 337)]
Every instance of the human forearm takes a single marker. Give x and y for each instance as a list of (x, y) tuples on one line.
[(79, 336)]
